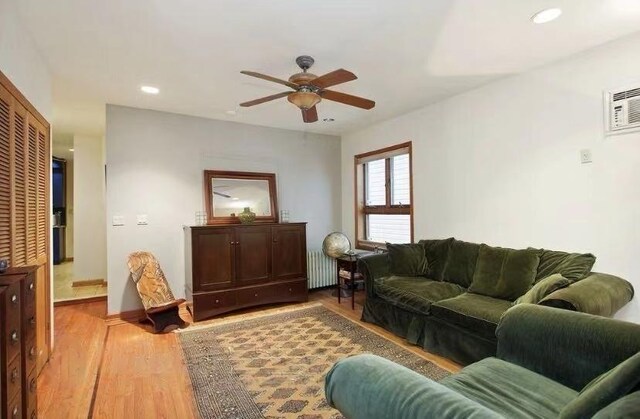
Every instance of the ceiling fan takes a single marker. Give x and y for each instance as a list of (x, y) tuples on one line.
[(310, 89)]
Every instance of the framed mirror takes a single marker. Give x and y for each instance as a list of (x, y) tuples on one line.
[(228, 193)]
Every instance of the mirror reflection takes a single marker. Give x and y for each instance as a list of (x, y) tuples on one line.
[(231, 196)]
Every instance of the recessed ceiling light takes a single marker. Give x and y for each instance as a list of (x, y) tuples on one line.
[(546, 15), (328, 119), (150, 90), (230, 112), (71, 149)]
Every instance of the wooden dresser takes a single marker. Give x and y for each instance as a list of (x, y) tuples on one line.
[(18, 352), (229, 267)]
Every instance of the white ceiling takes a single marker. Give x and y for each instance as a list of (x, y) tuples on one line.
[(406, 53)]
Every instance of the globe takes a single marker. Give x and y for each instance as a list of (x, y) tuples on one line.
[(336, 244)]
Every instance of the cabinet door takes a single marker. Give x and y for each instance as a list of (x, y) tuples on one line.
[(213, 255), (289, 252), (253, 254)]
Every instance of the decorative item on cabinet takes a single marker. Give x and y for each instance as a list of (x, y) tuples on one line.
[(246, 216), (18, 350), (4, 265), (229, 267)]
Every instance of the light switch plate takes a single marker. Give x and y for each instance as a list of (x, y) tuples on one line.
[(585, 156), (141, 219), (117, 220)]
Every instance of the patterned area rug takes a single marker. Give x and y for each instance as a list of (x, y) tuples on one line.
[(274, 366)]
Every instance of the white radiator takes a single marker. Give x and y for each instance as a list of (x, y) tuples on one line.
[(321, 270)]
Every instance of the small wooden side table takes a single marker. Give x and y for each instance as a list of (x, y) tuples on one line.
[(350, 264)]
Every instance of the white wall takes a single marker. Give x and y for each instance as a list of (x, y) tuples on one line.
[(501, 164), (21, 61), (89, 234), (155, 164)]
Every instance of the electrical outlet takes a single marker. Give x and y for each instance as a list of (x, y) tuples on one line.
[(141, 219), (117, 220), (585, 156)]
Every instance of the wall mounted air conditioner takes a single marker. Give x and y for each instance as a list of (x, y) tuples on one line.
[(622, 110)]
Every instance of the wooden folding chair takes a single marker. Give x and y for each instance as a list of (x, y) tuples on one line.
[(159, 303)]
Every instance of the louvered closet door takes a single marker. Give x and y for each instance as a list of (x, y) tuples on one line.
[(5, 174), (19, 186)]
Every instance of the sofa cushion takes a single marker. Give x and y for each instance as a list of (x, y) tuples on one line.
[(475, 312), (437, 252), (461, 263), (407, 259), (510, 390), (605, 389), (573, 266), (543, 288), (626, 407), (414, 294), (504, 273)]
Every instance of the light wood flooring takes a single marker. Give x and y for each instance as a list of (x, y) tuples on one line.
[(63, 289), (121, 370)]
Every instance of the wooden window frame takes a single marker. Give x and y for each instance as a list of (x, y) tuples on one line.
[(361, 210)]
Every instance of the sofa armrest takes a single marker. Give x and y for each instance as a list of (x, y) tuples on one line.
[(371, 387), (598, 294), (566, 346), (372, 267)]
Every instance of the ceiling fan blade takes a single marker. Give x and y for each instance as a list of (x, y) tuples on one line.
[(264, 99), (333, 78), (310, 115), (356, 101), (269, 78)]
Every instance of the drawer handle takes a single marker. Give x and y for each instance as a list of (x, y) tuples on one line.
[(217, 301), (15, 412), (14, 375), (256, 294), (32, 385), (32, 321), (32, 352), (31, 286), (14, 299), (14, 336), (290, 290)]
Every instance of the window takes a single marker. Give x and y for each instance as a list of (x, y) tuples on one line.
[(384, 211)]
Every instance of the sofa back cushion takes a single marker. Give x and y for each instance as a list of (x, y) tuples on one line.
[(437, 252), (543, 288), (573, 266), (407, 259), (461, 263), (504, 273), (605, 389)]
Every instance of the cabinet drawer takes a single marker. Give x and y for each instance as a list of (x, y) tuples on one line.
[(30, 355), (14, 408), (12, 321), (14, 377), (29, 294), (212, 303), (293, 290), (31, 400)]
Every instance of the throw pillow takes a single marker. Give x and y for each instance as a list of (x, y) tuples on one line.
[(461, 263), (605, 389), (543, 288), (407, 259), (573, 266), (437, 252), (504, 273)]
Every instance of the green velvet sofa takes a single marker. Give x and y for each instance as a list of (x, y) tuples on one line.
[(450, 302), (550, 363)]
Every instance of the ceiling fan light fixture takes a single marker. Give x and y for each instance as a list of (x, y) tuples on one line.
[(304, 100)]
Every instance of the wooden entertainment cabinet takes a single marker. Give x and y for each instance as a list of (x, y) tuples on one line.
[(229, 267)]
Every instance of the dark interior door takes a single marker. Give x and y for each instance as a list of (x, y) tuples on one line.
[(289, 252), (213, 251), (253, 254)]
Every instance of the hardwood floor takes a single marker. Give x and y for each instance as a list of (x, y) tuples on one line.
[(123, 370)]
